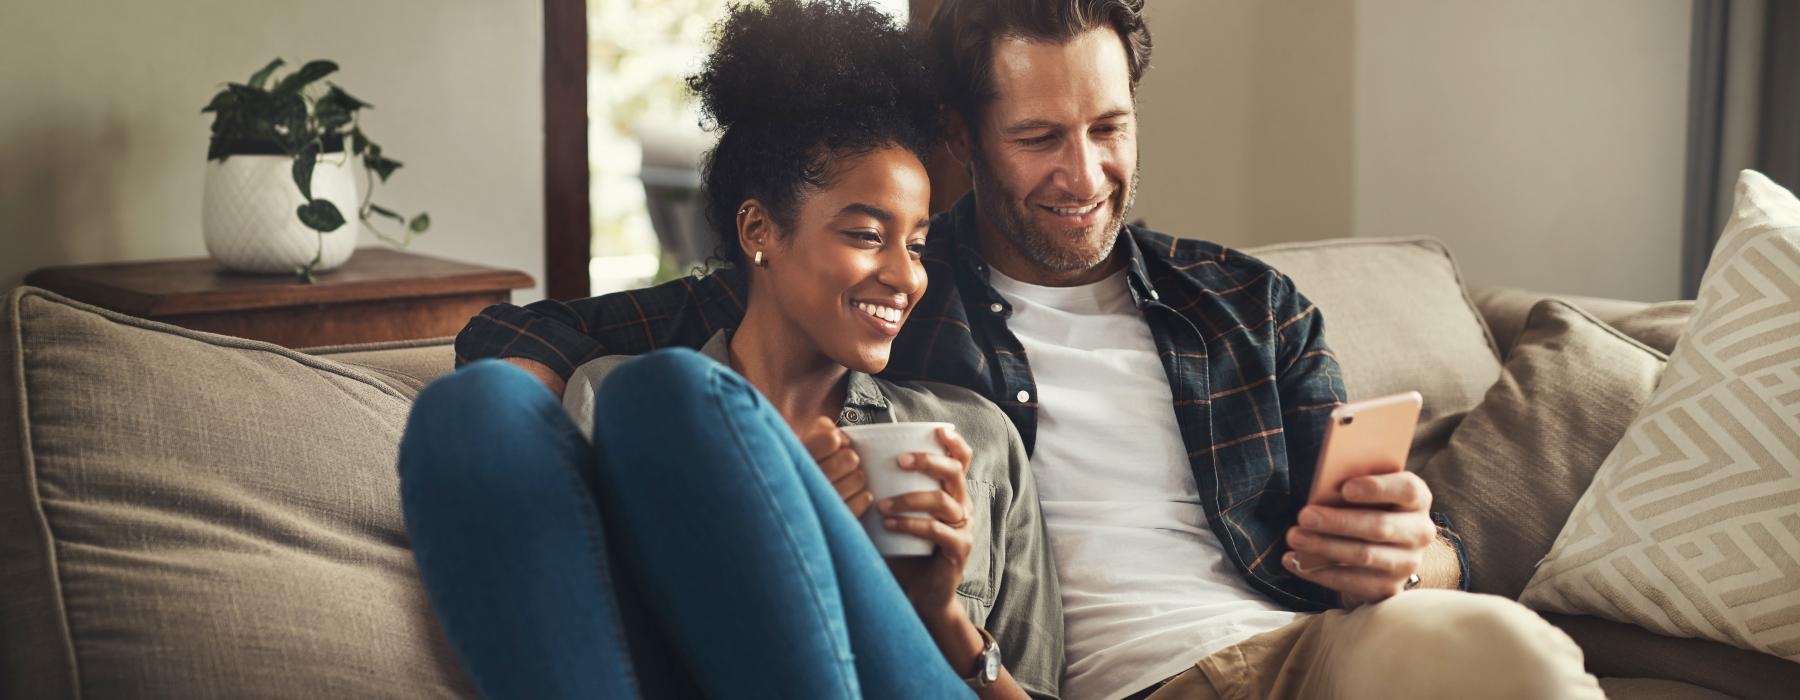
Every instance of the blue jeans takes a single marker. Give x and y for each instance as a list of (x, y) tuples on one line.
[(694, 549)]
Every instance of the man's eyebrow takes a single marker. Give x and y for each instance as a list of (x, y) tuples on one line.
[(1035, 124), (1030, 125)]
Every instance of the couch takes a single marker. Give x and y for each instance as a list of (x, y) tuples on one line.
[(190, 515)]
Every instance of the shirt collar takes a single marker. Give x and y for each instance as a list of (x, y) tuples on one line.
[(863, 390), (965, 237)]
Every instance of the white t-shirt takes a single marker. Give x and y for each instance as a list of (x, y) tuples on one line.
[(1146, 587)]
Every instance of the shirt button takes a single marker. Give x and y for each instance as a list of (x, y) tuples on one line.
[(996, 308), (1024, 396), (852, 416), (1154, 295)]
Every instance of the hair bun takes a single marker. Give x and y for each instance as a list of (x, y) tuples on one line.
[(787, 63)]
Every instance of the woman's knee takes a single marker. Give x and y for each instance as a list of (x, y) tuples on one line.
[(673, 385), (466, 420)]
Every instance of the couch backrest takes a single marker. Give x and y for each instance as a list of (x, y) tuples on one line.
[(189, 515)]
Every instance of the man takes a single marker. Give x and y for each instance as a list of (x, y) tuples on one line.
[(1173, 394)]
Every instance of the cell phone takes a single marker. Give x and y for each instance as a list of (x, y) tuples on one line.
[(1364, 438)]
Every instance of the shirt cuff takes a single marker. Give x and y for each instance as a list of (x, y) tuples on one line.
[(1456, 543)]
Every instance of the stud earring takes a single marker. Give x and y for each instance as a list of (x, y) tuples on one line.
[(743, 211), (758, 260)]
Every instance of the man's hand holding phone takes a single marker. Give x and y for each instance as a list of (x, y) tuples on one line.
[(1367, 529)]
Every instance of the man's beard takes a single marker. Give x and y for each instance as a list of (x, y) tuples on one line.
[(1051, 250)]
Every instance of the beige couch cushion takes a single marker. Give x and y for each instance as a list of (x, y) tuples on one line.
[(188, 515), (1657, 325), (1520, 460), (1689, 527), (1398, 319)]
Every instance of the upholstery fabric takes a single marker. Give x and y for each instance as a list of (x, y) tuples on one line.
[(1690, 526), (1619, 650), (1520, 460), (190, 515)]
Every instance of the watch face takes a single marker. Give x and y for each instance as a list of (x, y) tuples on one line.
[(991, 668)]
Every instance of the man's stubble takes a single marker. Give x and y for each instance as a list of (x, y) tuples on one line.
[(1057, 252)]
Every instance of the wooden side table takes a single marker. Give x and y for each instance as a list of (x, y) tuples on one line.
[(381, 294)]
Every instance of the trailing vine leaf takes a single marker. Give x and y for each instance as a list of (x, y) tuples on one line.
[(303, 169), (320, 215), (420, 223), (312, 71), (305, 272), (337, 94), (389, 213), (383, 167), (261, 77), (358, 142)]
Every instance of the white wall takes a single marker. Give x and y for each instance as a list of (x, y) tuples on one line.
[(102, 143), (1543, 140)]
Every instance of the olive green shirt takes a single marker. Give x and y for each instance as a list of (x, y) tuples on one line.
[(1009, 585)]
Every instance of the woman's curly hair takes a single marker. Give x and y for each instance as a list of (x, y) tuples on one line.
[(796, 86)]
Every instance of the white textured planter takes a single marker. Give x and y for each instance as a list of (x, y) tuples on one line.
[(248, 213)]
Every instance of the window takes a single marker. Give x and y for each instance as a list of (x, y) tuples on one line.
[(644, 139)]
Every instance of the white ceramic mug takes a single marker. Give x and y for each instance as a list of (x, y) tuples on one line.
[(878, 448)]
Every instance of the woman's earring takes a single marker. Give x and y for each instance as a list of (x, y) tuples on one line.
[(758, 259)]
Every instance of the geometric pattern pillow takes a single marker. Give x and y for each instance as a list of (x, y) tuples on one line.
[(1692, 525)]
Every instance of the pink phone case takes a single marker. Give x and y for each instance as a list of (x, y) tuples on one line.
[(1363, 438)]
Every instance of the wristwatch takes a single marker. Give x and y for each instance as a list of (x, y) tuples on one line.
[(987, 663)]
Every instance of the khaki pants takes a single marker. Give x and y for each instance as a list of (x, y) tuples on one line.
[(1419, 644)]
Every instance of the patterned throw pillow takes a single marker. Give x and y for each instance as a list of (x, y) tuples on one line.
[(1692, 525)]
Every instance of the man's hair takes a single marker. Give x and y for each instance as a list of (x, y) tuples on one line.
[(963, 33)]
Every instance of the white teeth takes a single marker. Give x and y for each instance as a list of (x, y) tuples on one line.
[(1077, 211), (885, 313)]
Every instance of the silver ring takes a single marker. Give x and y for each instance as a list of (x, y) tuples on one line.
[(1411, 583)]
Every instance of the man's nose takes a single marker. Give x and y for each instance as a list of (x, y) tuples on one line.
[(1081, 173)]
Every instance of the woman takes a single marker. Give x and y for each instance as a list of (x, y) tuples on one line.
[(698, 546)]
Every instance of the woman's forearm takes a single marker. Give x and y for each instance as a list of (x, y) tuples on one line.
[(961, 645)]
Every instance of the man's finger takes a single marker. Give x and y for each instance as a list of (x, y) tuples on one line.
[(1400, 490), (1352, 553), (1410, 529), (1362, 584)]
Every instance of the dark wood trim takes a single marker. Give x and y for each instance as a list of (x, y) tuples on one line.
[(159, 288), (568, 228), (1706, 116), (1778, 145)]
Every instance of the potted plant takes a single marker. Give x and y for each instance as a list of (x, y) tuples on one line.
[(280, 174)]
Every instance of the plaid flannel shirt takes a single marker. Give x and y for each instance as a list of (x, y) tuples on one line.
[(1253, 380)]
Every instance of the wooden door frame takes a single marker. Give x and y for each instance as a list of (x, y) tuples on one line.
[(568, 227)]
